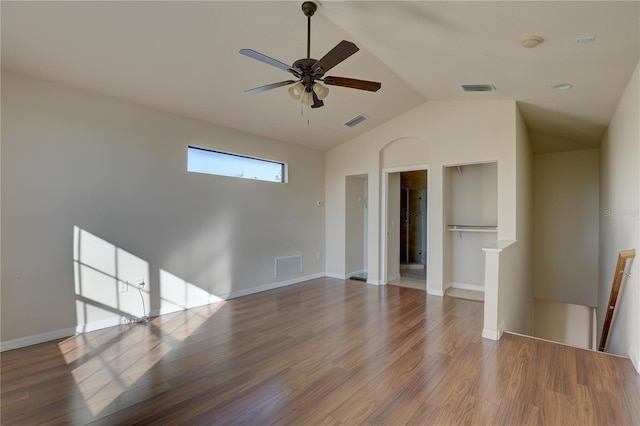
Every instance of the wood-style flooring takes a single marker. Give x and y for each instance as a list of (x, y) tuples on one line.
[(321, 352)]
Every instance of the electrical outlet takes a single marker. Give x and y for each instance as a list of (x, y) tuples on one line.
[(140, 284), (318, 256), (123, 286)]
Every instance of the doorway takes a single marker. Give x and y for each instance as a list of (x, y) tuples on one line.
[(413, 215), (356, 227), (406, 223)]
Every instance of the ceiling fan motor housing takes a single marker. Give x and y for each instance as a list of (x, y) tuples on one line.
[(307, 75), (309, 8)]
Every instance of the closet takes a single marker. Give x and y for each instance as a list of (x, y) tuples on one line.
[(471, 222)]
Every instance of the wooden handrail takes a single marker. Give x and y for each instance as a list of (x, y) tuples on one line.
[(613, 297)]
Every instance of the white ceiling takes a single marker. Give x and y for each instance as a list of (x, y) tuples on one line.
[(183, 57)]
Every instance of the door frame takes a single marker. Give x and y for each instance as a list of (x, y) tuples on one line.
[(384, 213)]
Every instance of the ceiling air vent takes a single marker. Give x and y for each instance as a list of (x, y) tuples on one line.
[(478, 87), (356, 120)]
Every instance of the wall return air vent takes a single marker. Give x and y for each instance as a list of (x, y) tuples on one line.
[(289, 265), (356, 120), (478, 87)]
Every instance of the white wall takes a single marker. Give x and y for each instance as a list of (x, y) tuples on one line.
[(115, 173), (435, 134), (566, 226), (473, 194), (510, 265), (619, 219), (563, 322)]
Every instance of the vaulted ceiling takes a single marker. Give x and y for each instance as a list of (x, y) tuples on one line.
[(183, 57)]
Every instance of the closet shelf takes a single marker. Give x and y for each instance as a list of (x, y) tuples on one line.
[(472, 228)]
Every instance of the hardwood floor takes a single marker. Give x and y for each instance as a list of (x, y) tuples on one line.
[(321, 352)]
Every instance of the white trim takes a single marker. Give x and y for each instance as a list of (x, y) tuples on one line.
[(97, 325), (490, 334), (434, 292), (493, 334), (463, 286), (635, 359), (478, 231), (196, 303), (36, 338), (594, 329), (335, 275), (271, 286), (499, 246), (375, 282), (529, 336)]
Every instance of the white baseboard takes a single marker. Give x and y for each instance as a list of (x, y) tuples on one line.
[(635, 358), (334, 275), (97, 325), (490, 334), (271, 286), (463, 286), (346, 277), (435, 292), (36, 338), (493, 334)]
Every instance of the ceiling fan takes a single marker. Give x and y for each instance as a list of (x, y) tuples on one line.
[(308, 72)]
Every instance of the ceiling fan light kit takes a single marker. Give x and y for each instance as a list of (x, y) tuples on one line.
[(297, 90), (310, 72)]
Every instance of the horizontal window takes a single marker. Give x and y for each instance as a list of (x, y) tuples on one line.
[(233, 165)]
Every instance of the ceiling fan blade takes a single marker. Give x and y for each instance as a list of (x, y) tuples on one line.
[(270, 86), (267, 60), (352, 83), (342, 51)]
